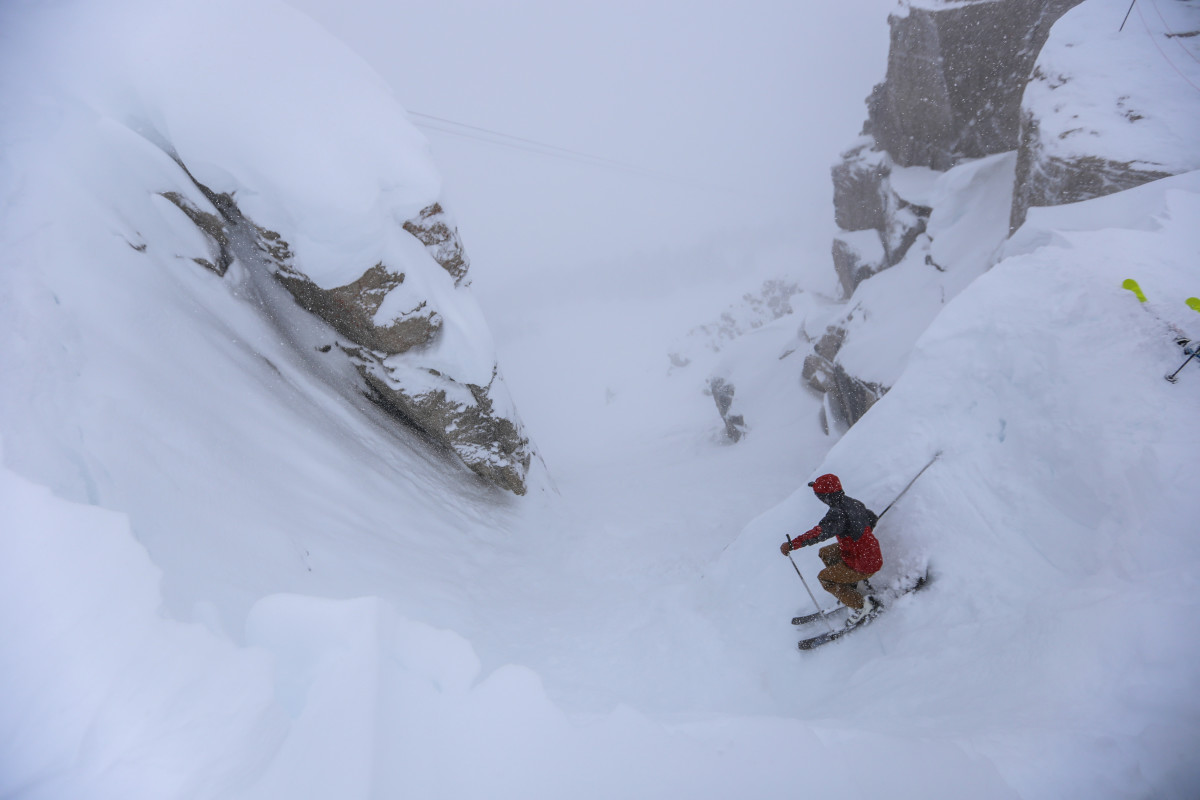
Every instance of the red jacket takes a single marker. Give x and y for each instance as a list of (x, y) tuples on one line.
[(862, 555)]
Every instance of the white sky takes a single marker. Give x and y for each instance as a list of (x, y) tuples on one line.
[(756, 96)]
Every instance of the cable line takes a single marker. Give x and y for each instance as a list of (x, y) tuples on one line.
[(523, 140), (1174, 36), (1162, 53), (501, 139)]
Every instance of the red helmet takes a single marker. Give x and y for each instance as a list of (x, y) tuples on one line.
[(826, 484)]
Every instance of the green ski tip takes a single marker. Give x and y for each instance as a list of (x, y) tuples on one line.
[(1132, 286), (1193, 303)]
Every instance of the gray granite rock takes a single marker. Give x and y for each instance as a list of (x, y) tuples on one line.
[(956, 73)]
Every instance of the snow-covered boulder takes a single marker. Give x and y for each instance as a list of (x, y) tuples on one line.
[(877, 223), (1109, 109), (856, 256)]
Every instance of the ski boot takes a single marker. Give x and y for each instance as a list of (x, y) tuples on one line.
[(870, 607)]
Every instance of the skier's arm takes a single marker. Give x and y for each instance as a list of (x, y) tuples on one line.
[(811, 537)]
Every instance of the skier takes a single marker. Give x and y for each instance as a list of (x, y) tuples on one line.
[(854, 557)]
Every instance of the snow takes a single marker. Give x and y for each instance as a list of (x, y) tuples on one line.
[(914, 184), (207, 91), (866, 246), (1052, 622), (1130, 96), (219, 578), (971, 205)]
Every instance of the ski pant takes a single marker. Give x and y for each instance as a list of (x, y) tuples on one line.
[(838, 579)]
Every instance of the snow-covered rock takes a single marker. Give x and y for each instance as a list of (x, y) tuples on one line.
[(857, 255), (1109, 108), (878, 223), (1103, 111), (861, 198), (865, 347), (303, 171), (956, 70)]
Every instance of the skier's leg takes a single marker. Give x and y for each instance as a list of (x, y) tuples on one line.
[(841, 582), (830, 554)]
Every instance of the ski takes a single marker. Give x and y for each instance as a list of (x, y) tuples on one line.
[(832, 636), (814, 642), (807, 618)]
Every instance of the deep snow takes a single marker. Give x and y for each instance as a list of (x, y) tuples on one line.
[(219, 579)]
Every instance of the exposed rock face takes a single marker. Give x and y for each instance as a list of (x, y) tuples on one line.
[(433, 229), (1046, 180), (213, 228), (861, 197), (856, 257), (955, 77), (864, 200), (350, 309), (847, 397), (473, 421), (491, 444), (956, 72)]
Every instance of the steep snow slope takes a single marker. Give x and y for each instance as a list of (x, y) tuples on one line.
[(140, 381), (219, 580), (1045, 659), (1059, 523)]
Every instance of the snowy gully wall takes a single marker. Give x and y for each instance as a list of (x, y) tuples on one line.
[(303, 172), (1087, 108)]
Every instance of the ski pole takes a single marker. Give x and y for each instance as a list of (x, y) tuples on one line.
[(1172, 377), (910, 483), (1127, 13), (811, 596)]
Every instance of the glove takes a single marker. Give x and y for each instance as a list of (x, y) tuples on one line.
[(785, 548)]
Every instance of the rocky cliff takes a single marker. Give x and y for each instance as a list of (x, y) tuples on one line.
[(1033, 102), (374, 321), (956, 72), (284, 166)]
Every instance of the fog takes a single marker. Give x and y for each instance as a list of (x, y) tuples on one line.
[(630, 129)]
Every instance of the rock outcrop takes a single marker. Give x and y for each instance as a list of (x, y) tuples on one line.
[(956, 73), (434, 230), (846, 398), (473, 420)]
